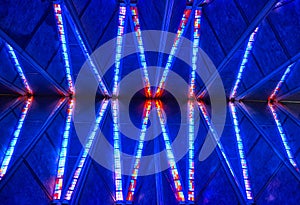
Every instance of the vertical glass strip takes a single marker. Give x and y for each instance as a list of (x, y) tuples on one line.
[(117, 151), (64, 46), (63, 152), (196, 36), (11, 147), (121, 28), (191, 154), (86, 150)]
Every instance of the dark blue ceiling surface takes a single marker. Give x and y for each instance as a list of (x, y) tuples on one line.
[(37, 150), (257, 158)]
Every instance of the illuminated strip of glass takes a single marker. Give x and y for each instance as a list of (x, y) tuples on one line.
[(86, 150), (93, 66), (10, 150), (174, 48), (122, 16), (63, 153), (196, 36), (132, 186), (191, 166), (244, 61), (174, 171), (137, 31), (15, 61), (241, 152), (64, 46), (278, 86), (117, 154), (283, 137), (215, 135)]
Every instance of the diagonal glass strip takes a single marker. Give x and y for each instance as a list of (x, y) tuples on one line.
[(64, 45), (132, 185), (283, 137), (174, 48), (18, 67), (170, 155), (63, 153), (243, 63), (11, 147), (119, 46), (137, 31), (117, 152), (215, 136), (278, 86), (88, 57), (196, 37), (242, 156), (85, 151)]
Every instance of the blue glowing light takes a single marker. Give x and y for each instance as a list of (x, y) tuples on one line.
[(196, 39), (18, 67), (191, 165), (137, 31), (132, 186), (243, 63), (117, 151), (63, 152), (64, 46), (86, 150), (242, 155), (11, 147), (278, 86), (121, 28), (174, 48), (170, 155), (283, 137)]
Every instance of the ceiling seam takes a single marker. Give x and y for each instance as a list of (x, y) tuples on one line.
[(210, 179), (269, 180), (12, 86), (242, 12), (38, 181), (105, 28), (84, 9), (285, 50), (38, 25), (214, 32), (257, 64), (12, 106)]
